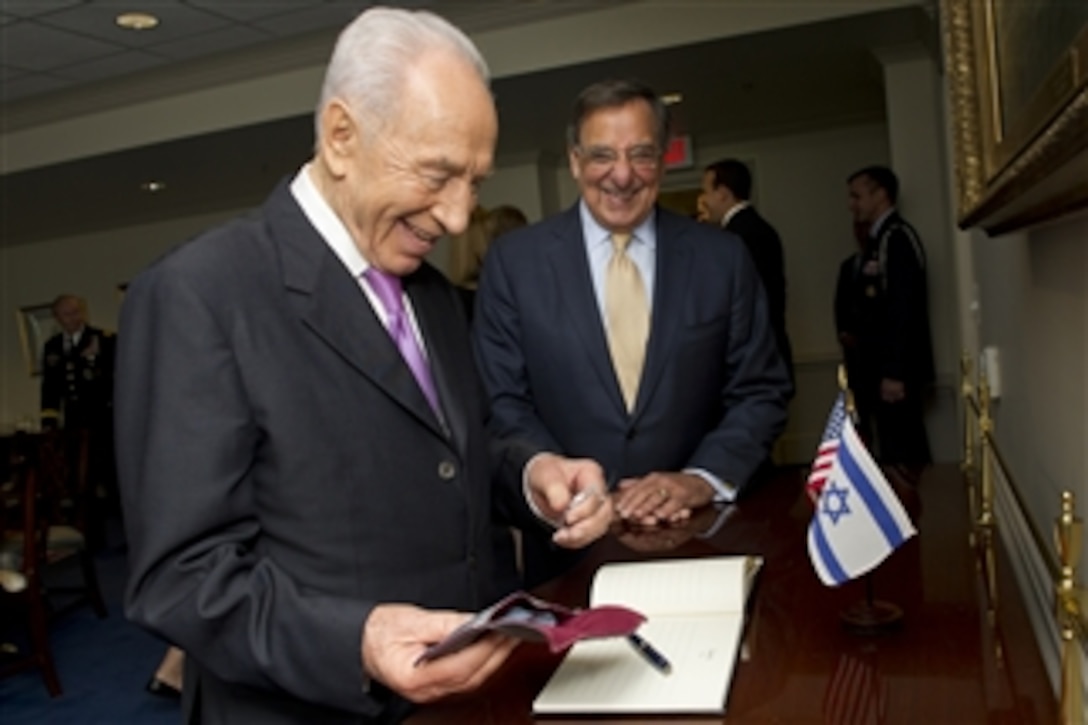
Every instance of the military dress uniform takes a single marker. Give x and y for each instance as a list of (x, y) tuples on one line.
[(887, 296), (77, 394)]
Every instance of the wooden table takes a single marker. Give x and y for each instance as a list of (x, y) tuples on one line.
[(953, 659)]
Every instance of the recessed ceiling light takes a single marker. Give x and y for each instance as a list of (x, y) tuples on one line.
[(136, 21), (152, 187), (670, 99)]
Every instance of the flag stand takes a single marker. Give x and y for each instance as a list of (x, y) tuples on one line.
[(871, 615)]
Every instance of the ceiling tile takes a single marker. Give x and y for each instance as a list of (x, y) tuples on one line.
[(30, 8), (313, 18), (175, 21), (110, 66), (32, 46), (250, 10), (195, 46)]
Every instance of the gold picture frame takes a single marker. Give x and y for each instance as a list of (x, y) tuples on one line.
[(36, 325), (1018, 87)]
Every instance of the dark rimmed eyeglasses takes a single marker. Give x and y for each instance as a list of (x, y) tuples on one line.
[(602, 158)]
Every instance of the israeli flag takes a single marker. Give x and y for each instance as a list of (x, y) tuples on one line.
[(859, 520)]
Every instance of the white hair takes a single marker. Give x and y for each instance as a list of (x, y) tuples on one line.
[(376, 50)]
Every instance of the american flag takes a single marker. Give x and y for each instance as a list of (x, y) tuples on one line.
[(829, 445)]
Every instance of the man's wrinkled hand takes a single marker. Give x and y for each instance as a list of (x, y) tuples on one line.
[(572, 494), (394, 637)]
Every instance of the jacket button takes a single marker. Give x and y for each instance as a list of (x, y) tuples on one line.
[(446, 470)]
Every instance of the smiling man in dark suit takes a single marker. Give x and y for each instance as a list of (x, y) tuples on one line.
[(307, 476), (622, 332)]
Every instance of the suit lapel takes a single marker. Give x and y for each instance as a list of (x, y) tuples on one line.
[(671, 275), (334, 306), (574, 285)]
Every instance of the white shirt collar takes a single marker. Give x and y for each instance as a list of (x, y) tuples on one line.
[(595, 234), (739, 206), (880, 220), (327, 224)]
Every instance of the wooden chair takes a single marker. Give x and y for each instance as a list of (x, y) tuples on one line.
[(21, 587), (65, 510)]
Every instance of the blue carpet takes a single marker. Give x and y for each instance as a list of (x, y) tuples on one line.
[(103, 664)]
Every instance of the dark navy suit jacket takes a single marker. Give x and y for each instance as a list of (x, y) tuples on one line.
[(714, 389)]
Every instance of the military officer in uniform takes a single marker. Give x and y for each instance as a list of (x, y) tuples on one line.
[(77, 395), (892, 361)]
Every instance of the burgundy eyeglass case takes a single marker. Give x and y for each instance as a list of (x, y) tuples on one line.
[(526, 617)]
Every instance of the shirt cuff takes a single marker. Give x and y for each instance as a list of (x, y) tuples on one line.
[(724, 492), (527, 492), (723, 515)]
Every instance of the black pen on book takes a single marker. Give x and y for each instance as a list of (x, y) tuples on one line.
[(650, 654)]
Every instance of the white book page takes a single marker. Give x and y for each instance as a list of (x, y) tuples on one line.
[(714, 584), (608, 675)]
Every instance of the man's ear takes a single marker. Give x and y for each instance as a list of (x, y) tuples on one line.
[(339, 137), (575, 167)]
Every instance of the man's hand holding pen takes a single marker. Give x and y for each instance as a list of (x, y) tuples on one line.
[(571, 494)]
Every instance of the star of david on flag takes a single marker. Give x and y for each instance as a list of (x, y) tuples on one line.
[(858, 520)]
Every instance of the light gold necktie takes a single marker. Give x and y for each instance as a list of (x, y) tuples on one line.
[(627, 314)]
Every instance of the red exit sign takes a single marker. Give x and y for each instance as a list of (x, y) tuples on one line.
[(678, 153)]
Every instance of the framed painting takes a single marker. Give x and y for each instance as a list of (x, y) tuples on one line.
[(36, 325), (1018, 86)]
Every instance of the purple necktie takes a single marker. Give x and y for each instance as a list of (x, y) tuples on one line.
[(388, 289)]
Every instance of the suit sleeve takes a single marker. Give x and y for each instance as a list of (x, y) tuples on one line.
[(496, 335), (765, 248), (905, 290), (843, 317), (755, 391), (189, 446)]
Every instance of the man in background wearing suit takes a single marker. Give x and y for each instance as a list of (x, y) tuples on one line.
[(893, 351), (622, 332), (307, 476), (725, 201)]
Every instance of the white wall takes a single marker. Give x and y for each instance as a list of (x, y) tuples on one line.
[(1033, 290), (1033, 306), (517, 182)]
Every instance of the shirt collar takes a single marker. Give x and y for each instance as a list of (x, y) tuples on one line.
[(595, 234), (738, 207), (327, 223), (880, 221)]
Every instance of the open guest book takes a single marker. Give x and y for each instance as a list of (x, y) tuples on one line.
[(695, 610)]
